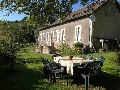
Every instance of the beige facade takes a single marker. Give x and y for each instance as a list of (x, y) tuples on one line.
[(105, 27)]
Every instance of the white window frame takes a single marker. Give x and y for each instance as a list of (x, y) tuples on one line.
[(78, 34), (52, 32), (57, 36), (47, 36), (90, 33), (51, 37), (44, 39)]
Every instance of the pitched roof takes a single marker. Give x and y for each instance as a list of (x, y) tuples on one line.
[(79, 13), (85, 11)]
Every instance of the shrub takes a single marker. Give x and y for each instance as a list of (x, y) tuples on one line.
[(78, 47), (65, 49), (86, 49)]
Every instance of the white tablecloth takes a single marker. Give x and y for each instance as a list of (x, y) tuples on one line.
[(56, 59), (71, 63)]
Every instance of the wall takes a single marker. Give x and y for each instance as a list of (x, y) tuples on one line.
[(69, 32), (107, 24)]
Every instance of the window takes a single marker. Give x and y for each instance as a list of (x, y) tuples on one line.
[(78, 33), (52, 35), (44, 37), (57, 36), (62, 35), (47, 37)]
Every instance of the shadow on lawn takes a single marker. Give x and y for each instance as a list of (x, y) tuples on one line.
[(108, 81), (23, 78), (111, 82)]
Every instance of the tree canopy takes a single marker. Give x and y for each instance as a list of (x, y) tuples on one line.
[(14, 36), (40, 11), (43, 12)]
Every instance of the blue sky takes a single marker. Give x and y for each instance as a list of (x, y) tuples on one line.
[(14, 16)]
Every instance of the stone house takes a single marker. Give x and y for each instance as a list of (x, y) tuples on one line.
[(96, 25)]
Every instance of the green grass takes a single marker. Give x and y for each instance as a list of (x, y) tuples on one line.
[(29, 52), (33, 55), (29, 76), (111, 71), (110, 65)]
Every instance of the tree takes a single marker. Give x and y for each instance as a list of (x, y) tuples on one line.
[(43, 12), (13, 37), (40, 11), (8, 43)]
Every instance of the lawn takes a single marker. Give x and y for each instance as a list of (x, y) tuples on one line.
[(29, 75)]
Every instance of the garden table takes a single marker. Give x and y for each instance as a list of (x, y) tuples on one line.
[(71, 63)]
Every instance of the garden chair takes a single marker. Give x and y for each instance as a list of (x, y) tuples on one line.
[(101, 59), (87, 70), (45, 61), (52, 70)]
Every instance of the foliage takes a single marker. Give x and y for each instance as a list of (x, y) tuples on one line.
[(78, 47), (13, 36), (65, 49), (40, 11), (86, 49), (43, 12)]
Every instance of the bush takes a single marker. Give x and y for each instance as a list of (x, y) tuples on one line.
[(78, 47), (65, 49), (86, 49)]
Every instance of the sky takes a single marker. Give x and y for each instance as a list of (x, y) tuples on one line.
[(14, 16)]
